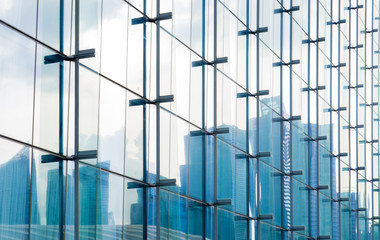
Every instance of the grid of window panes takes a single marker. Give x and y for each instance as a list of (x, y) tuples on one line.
[(189, 119)]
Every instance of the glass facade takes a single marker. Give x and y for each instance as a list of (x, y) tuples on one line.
[(189, 119)]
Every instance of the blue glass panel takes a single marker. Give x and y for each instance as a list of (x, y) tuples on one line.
[(196, 164), (226, 226), (196, 220), (325, 215), (269, 232), (270, 193), (15, 191), (47, 210), (300, 206), (88, 187), (134, 202), (226, 173)]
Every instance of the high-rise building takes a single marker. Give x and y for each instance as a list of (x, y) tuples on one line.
[(189, 119)]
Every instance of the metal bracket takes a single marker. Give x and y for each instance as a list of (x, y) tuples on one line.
[(337, 155), (220, 131), (222, 202), (255, 32), (353, 8), (353, 169), (247, 94), (369, 142), (343, 200), (162, 16), (50, 158), (202, 132), (205, 62), (353, 127), (282, 10), (134, 185), (319, 138), (353, 87), (262, 155), (369, 68), (85, 155), (307, 41), (336, 66), (294, 228), (293, 118), (323, 237), (292, 173), (322, 187), (368, 104), (354, 47), (293, 62), (166, 183), (360, 210), (306, 89), (336, 110), (336, 23), (264, 217), (161, 183), (88, 53), (368, 31), (161, 99)]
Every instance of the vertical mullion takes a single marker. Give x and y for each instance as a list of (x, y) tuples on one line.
[(61, 130), (76, 116), (215, 121), (258, 116), (290, 179), (281, 113), (158, 173), (349, 108), (145, 159), (339, 105), (248, 165), (357, 119), (372, 144), (365, 117), (308, 108), (204, 160)]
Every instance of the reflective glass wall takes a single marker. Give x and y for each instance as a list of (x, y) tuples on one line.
[(189, 119)]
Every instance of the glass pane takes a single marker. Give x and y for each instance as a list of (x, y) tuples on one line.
[(51, 102), (134, 200), (16, 84), (15, 192), (88, 109), (135, 138), (47, 209), (114, 40), (21, 14), (112, 126), (54, 24)]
